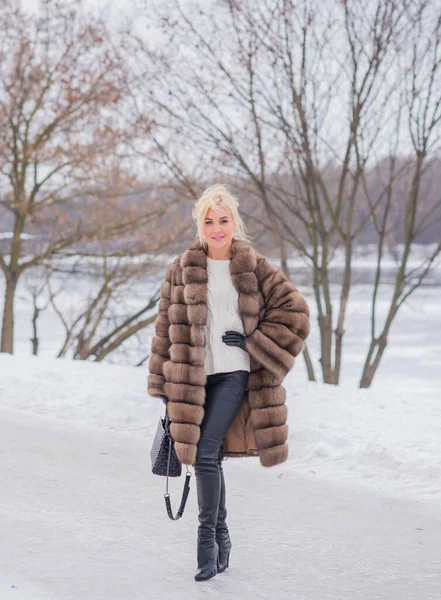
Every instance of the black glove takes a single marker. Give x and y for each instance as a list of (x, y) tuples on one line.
[(234, 338), (164, 399)]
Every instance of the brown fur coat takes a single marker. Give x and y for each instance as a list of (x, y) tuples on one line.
[(276, 322)]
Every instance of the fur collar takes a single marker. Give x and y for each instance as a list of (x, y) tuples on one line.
[(243, 257)]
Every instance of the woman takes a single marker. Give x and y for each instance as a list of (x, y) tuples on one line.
[(229, 327)]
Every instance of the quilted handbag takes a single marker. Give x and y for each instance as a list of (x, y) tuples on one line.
[(163, 453), (166, 463)]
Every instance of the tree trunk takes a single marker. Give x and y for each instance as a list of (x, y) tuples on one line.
[(329, 373), (7, 341), (308, 363), (373, 360), (344, 297), (285, 269), (34, 340)]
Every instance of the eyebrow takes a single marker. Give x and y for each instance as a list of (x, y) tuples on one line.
[(210, 219)]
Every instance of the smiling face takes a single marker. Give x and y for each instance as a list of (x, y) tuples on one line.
[(218, 229)]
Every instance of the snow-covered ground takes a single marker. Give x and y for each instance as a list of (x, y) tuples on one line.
[(81, 518)]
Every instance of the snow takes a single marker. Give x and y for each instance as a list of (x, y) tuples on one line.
[(354, 513), (82, 517)]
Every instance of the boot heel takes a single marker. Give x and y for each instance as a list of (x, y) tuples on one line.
[(222, 566)]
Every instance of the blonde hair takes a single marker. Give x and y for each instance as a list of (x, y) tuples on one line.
[(215, 197)]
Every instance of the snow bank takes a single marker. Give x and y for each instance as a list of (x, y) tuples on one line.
[(387, 438)]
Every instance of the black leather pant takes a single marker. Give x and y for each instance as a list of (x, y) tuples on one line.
[(224, 396)]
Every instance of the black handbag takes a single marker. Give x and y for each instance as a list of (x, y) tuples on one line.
[(166, 463)]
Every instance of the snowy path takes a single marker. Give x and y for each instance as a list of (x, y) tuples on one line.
[(82, 518)]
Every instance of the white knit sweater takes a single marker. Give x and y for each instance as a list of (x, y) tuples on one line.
[(223, 315)]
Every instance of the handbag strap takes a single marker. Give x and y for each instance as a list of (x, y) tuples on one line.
[(186, 489), (185, 493)]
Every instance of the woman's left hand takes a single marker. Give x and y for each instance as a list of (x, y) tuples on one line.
[(234, 338)]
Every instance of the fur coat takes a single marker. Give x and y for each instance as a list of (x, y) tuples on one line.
[(276, 322)]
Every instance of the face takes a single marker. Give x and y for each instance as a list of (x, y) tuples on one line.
[(218, 228)]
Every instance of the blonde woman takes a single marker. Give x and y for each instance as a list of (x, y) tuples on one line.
[(229, 327)]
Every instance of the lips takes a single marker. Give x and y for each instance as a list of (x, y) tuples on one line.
[(220, 237)]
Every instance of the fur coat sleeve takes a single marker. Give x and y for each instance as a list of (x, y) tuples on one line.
[(284, 324), (161, 341)]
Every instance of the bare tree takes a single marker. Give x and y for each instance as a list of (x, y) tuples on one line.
[(62, 82), (295, 97), (98, 327), (420, 109), (112, 292), (36, 287)]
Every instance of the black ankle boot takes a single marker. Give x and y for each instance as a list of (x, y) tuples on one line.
[(222, 534), (208, 493)]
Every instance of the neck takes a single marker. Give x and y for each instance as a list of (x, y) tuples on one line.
[(220, 253)]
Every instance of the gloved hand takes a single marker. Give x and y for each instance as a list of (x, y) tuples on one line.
[(164, 399), (234, 338)]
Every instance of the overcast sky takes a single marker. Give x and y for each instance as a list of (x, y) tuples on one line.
[(111, 6)]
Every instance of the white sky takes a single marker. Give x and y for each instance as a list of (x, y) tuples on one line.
[(112, 6)]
